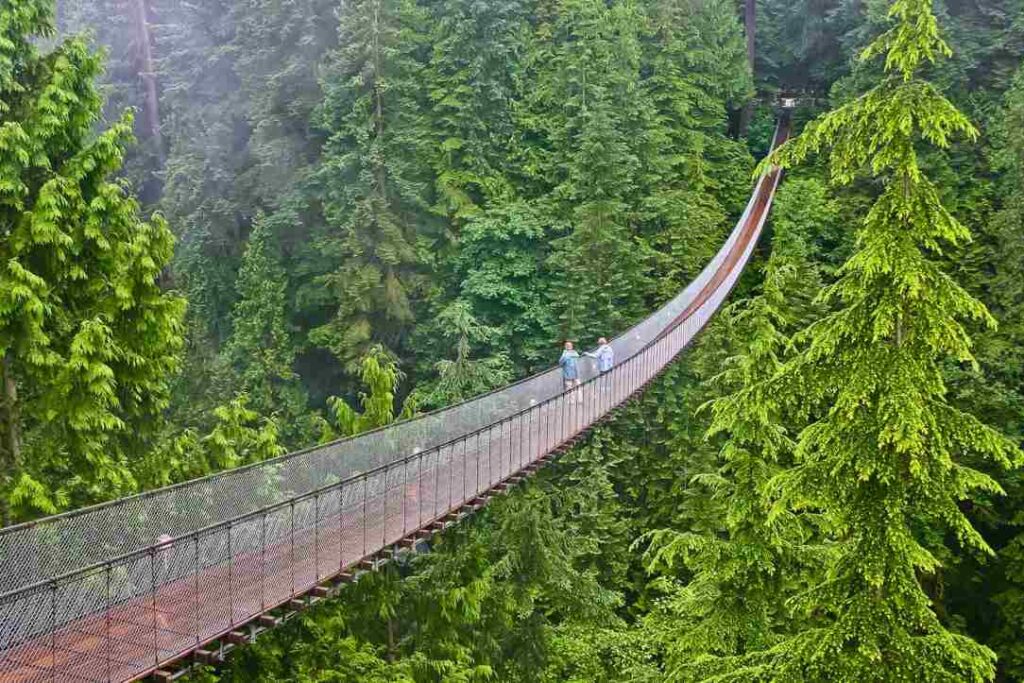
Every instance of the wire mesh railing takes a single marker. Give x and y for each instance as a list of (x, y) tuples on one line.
[(94, 596)]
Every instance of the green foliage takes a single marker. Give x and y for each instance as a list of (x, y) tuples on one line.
[(480, 607), (880, 460), (599, 267), (380, 376), (112, 25), (240, 436), (476, 52), (991, 594), (743, 572), (87, 337), (261, 351), (503, 280), (239, 83), (449, 187), (375, 195), (463, 377)]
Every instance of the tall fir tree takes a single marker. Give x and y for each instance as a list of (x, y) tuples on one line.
[(991, 594), (693, 175), (261, 350), (473, 79), (500, 266), (883, 459), (87, 337), (123, 29), (745, 569), (279, 48), (463, 377), (375, 193), (599, 267)]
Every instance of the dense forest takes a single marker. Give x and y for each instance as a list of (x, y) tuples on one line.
[(236, 228)]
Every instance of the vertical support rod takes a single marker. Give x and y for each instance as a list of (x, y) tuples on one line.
[(384, 517), (437, 482), (490, 440), (53, 631), (366, 489), (291, 549), (106, 621), (316, 535), (510, 449), (152, 585), (198, 626), (341, 527), (231, 579), (451, 476), (263, 563)]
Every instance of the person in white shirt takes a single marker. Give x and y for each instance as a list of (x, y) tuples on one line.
[(604, 355)]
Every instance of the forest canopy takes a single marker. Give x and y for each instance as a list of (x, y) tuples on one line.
[(238, 228)]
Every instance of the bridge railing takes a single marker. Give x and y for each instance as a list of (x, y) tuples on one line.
[(305, 518)]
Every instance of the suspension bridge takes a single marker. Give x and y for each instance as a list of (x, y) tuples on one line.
[(136, 587)]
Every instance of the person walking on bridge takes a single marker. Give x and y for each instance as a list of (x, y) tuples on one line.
[(570, 367), (604, 355)]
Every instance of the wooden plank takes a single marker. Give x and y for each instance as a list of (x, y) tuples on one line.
[(237, 637)]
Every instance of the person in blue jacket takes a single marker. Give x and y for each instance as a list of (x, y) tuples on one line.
[(604, 355), (570, 366)]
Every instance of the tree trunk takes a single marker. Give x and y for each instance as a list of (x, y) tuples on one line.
[(750, 25), (378, 102), (147, 72), (10, 444)]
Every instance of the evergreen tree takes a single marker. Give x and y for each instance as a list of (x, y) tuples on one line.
[(240, 83), (380, 375), (261, 351), (473, 78), (87, 337), (599, 268), (799, 43), (991, 594), (883, 459), (694, 176), (203, 197), (462, 377), (745, 570), (375, 194), (121, 29), (279, 48), (239, 436), (500, 265)]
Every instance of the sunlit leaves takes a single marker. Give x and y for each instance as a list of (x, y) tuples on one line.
[(88, 337), (883, 455)]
